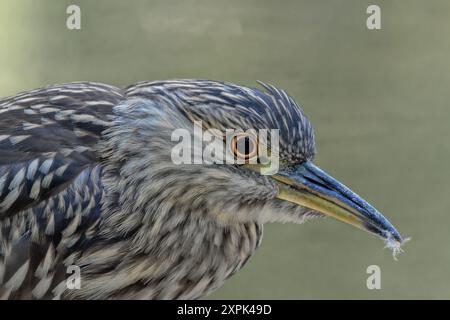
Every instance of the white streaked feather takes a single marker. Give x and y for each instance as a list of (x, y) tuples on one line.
[(32, 168), (11, 198), (18, 179), (17, 279), (45, 166), (18, 139), (35, 189)]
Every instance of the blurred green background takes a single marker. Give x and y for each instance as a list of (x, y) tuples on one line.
[(379, 101)]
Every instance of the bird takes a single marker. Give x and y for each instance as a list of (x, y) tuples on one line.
[(87, 183)]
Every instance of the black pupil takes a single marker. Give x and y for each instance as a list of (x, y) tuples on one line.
[(245, 145)]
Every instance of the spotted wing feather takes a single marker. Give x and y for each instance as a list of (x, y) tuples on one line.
[(50, 189)]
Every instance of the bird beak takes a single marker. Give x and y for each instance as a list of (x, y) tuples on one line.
[(309, 186)]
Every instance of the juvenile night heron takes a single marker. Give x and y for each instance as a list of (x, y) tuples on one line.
[(86, 180)]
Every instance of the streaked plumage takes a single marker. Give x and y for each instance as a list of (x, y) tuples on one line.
[(86, 179)]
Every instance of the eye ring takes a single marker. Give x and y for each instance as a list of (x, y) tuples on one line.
[(244, 146)]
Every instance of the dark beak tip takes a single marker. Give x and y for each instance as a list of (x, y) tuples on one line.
[(387, 231), (396, 236)]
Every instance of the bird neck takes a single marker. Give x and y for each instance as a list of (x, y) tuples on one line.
[(196, 251)]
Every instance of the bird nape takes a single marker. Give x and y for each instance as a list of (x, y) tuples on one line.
[(88, 183)]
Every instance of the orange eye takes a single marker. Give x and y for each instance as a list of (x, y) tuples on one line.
[(244, 146)]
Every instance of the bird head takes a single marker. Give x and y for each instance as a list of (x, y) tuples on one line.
[(228, 193)]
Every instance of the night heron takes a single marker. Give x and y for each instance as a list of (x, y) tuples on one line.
[(87, 181)]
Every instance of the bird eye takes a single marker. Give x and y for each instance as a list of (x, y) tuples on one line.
[(244, 146)]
